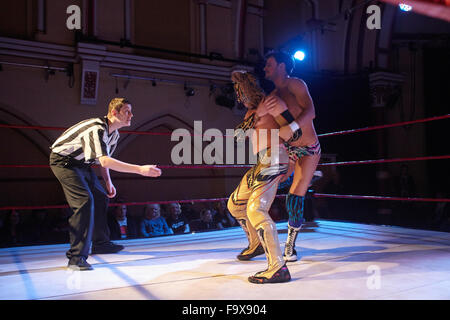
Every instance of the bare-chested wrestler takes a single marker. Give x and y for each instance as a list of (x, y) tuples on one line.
[(295, 118)]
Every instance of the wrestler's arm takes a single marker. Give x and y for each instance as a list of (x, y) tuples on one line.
[(278, 109), (283, 118), (116, 165)]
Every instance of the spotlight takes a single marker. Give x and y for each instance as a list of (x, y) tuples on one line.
[(405, 7), (299, 55)]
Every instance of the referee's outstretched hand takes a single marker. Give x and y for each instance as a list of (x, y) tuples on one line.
[(150, 171)]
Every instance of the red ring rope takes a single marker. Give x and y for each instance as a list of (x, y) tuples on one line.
[(346, 196), (234, 166), (316, 195), (398, 124), (345, 163)]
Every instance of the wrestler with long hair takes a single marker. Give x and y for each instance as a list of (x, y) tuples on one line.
[(251, 201)]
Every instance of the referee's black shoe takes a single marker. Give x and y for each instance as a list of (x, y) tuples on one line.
[(105, 248), (79, 264)]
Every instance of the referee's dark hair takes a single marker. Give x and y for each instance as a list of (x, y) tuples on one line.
[(116, 104), (282, 57)]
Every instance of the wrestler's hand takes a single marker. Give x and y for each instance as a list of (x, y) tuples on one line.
[(110, 189), (150, 171), (261, 110), (286, 133), (275, 105)]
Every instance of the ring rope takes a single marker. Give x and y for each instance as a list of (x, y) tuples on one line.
[(398, 124), (315, 195), (346, 163), (237, 166), (349, 196)]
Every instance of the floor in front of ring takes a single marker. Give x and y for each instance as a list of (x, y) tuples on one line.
[(338, 261)]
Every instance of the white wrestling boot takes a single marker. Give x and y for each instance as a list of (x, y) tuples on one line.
[(290, 254)]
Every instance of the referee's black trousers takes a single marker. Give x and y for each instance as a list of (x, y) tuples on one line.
[(89, 203)]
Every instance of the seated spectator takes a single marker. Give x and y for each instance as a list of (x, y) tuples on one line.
[(222, 216), (176, 219), (40, 227), (441, 214), (165, 212), (119, 225), (60, 226), (189, 211), (205, 222), (153, 224), (134, 218), (14, 230), (2, 221)]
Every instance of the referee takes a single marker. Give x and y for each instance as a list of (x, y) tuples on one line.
[(89, 142)]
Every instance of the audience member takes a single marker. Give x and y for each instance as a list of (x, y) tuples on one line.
[(222, 216), (134, 218), (189, 211), (441, 214), (164, 212), (120, 226), (205, 222), (60, 226), (176, 219), (39, 228), (2, 221), (153, 224), (14, 230)]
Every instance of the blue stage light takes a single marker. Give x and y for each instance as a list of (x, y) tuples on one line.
[(299, 55)]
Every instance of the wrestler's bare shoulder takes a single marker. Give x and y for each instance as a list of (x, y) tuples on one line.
[(296, 83)]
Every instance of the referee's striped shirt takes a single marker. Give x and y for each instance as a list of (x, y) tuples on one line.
[(87, 141)]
